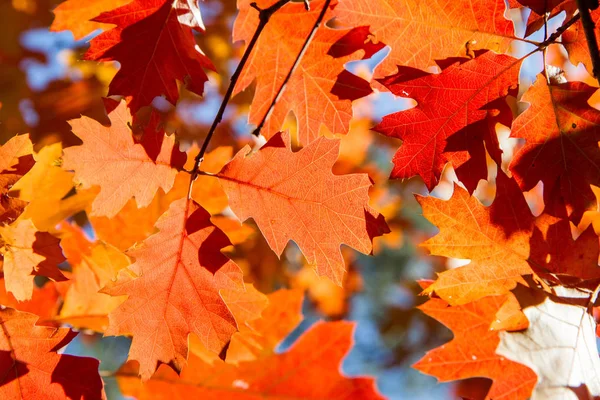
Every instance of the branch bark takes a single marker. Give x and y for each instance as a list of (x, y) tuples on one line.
[(309, 38), (590, 36), (264, 16)]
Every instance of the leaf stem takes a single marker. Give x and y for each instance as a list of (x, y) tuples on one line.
[(264, 15), (590, 36), (309, 38)]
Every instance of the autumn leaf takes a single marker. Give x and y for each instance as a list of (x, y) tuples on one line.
[(45, 188), (16, 159), (75, 16), (258, 338), (495, 239), (153, 41), (45, 302), (308, 370), (472, 93), (420, 33), (233, 228), (30, 364), (320, 91), (295, 196), (28, 252), (554, 251), (173, 290), (559, 345), (93, 266), (207, 192), (464, 358), (562, 132), (111, 159)]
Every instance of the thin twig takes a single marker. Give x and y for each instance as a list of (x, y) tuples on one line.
[(590, 36), (545, 20), (552, 38), (264, 15), (544, 51), (309, 38)]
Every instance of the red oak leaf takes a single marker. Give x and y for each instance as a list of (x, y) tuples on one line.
[(464, 358), (295, 196), (173, 290), (420, 32), (320, 91), (554, 251), (31, 368), (562, 132), (456, 114), (45, 302), (154, 42), (574, 38), (259, 337), (540, 7), (310, 369), (123, 169)]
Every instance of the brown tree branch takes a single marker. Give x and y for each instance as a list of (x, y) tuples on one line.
[(264, 15), (309, 38), (590, 36)]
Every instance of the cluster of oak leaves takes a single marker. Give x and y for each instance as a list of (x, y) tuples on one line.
[(521, 311)]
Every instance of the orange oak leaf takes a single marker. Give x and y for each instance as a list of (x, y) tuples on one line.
[(117, 230), (310, 369), (45, 188), (44, 302), (173, 290), (28, 252), (246, 304), (418, 33), (495, 239), (464, 358), (509, 316), (154, 43), (75, 16), (16, 159), (235, 231), (295, 196), (206, 191), (31, 368), (93, 265), (472, 93), (259, 337), (562, 132), (320, 91), (123, 169)]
